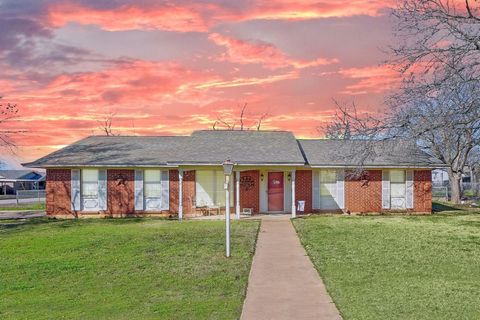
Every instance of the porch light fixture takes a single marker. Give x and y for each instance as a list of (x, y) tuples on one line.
[(227, 171), (228, 167)]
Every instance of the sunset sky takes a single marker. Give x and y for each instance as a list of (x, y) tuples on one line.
[(170, 67)]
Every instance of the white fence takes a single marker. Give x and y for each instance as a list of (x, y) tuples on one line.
[(30, 196)]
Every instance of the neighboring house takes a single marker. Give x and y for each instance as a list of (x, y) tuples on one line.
[(13, 180), (134, 175)]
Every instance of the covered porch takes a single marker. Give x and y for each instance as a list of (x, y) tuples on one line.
[(253, 190)]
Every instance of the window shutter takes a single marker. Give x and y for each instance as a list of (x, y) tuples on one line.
[(341, 188), (385, 189), (165, 190), (316, 189), (139, 190), (409, 189), (102, 189), (75, 190)]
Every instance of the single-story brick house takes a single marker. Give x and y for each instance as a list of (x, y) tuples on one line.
[(170, 175)]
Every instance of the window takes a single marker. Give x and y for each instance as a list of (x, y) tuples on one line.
[(328, 189), (209, 188), (89, 184), (328, 182), (397, 189), (153, 186), (155, 190)]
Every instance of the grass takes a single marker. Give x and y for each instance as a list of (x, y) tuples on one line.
[(26, 206), (123, 269), (398, 267)]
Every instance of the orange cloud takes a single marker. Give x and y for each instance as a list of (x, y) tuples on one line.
[(196, 17), (238, 82), (244, 52), (370, 79), (133, 17), (314, 9)]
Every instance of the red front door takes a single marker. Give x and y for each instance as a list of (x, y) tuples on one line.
[(275, 191)]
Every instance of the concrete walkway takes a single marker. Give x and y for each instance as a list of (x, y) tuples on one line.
[(283, 283)]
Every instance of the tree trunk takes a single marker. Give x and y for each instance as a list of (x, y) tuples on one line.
[(455, 183)]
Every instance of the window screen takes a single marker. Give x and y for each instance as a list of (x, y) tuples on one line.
[(209, 188), (328, 181), (153, 187), (397, 183), (90, 183)]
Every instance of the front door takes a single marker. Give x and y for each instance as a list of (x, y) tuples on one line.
[(275, 191)]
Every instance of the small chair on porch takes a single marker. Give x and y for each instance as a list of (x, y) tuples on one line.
[(210, 210)]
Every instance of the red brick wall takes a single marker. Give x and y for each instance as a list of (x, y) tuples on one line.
[(188, 192), (58, 192), (422, 200), (120, 192), (173, 191), (364, 194), (250, 190), (303, 188)]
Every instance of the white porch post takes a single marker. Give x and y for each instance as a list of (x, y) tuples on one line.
[(294, 208), (237, 194), (180, 194)]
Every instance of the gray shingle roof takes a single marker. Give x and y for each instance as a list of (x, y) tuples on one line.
[(245, 147), (351, 153), (202, 147), (242, 147), (116, 151)]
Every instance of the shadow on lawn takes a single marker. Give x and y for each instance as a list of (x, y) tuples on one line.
[(439, 207), (11, 224), (65, 223)]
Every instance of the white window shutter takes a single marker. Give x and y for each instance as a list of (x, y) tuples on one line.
[(341, 188), (409, 189), (165, 190), (316, 189), (139, 190), (385, 189), (75, 190), (102, 189)]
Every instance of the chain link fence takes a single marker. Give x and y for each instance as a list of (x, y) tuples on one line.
[(470, 191), (30, 196)]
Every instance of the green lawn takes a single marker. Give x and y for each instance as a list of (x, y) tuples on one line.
[(23, 206), (123, 269), (398, 267)]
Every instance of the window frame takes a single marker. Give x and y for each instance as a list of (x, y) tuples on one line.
[(159, 198), (393, 184), (218, 192)]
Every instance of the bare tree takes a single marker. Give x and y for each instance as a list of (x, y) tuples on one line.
[(105, 125), (231, 124), (438, 40), (8, 113), (349, 123), (260, 121), (445, 124), (437, 104)]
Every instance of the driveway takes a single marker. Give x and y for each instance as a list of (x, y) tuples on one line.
[(283, 283), (21, 214), (6, 202)]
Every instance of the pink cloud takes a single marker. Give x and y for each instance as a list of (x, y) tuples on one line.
[(266, 54), (195, 17), (314, 9), (132, 17), (370, 79)]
